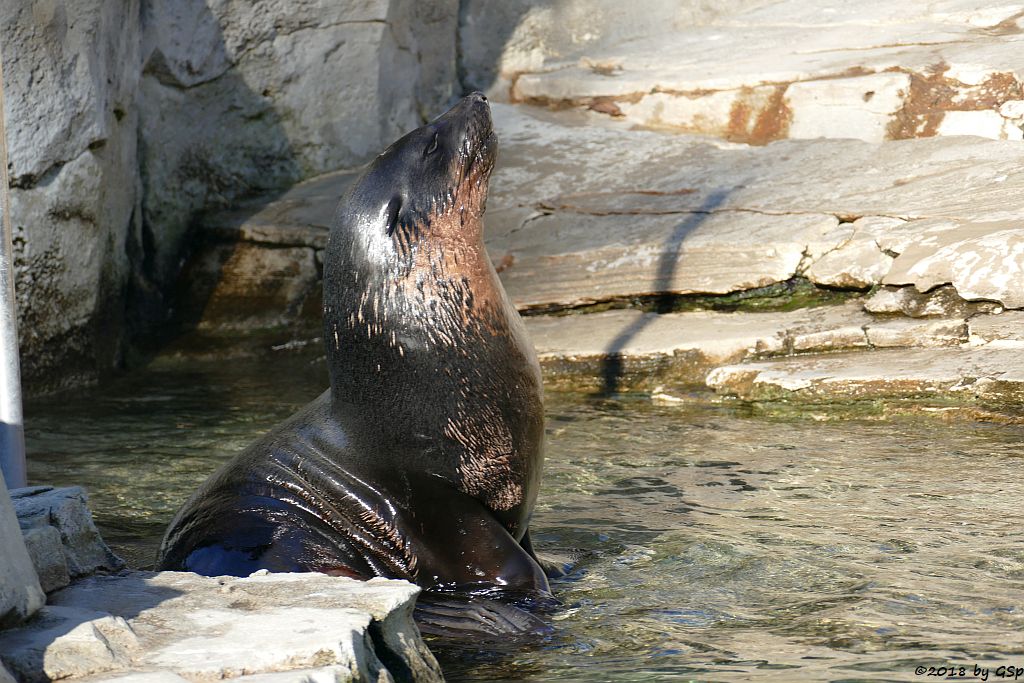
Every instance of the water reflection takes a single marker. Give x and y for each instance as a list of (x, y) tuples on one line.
[(709, 545)]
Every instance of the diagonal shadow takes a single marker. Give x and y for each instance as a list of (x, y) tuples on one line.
[(612, 366)]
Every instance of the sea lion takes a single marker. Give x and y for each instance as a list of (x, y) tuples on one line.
[(423, 459)]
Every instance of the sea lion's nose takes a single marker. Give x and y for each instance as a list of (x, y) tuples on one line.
[(478, 96)]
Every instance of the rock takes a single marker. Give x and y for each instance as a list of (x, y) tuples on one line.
[(981, 260), (604, 213), (587, 206), (126, 122), (859, 261), (47, 553), (71, 77), (606, 257), (754, 72), (985, 375), (632, 350), (156, 627), (903, 333), (986, 123), (237, 100), (66, 511), (20, 594), (5, 676), (1005, 330), (860, 106), (246, 285), (63, 642), (941, 301)]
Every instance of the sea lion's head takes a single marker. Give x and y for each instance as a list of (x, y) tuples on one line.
[(406, 270), (429, 186)]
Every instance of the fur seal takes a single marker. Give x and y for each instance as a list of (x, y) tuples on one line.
[(423, 459)]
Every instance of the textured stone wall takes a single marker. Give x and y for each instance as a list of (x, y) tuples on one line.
[(71, 78), (128, 118)]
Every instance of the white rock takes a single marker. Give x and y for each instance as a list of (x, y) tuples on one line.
[(973, 374), (20, 594), (860, 107), (1005, 330), (904, 333), (983, 123), (981, 260), (651, 350), (607, 257), (1012, 109), (941, 301), (62, 642), (860, 261)]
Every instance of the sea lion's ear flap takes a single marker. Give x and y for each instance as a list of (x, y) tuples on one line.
[(391, 214)]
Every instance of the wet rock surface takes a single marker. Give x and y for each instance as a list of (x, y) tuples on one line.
[(173, 626)]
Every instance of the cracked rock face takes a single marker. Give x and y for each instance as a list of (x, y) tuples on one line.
[(238, 98), (70, 93), (602, 211), (759, 71)]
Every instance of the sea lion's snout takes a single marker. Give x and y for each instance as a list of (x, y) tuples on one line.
[(468, 132)]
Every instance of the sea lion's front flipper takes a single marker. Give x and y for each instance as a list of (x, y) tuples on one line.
[(460, 545)]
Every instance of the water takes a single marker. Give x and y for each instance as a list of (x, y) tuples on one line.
[(710, 544)]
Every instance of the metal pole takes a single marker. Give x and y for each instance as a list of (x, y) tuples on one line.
[(12, 432)]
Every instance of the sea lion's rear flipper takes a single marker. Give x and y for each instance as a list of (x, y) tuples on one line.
[(462, 616)]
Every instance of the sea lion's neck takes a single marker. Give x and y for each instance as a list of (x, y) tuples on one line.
[(427, 354), (418, 336)]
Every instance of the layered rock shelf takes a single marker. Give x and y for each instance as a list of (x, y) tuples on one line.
[(708, 253), (775, 70)]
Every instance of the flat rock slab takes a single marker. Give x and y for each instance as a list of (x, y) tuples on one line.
[(624, 350), (168, 626), (983, 375)]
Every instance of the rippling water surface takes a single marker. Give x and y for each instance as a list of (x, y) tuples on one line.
[(710, 545)]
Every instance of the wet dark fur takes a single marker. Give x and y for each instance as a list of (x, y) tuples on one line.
[(423, 459)]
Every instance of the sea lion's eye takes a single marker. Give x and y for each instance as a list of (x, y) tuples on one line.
[(432, 147)]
